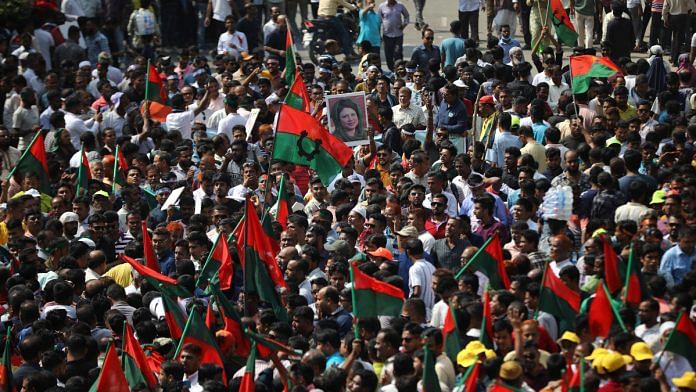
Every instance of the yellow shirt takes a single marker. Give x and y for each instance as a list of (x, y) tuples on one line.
[(121, 274), (627, 114)]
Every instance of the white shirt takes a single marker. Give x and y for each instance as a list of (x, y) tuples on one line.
[(452, 208), (421, 274), (112, 119), (305, 290), (221, 9), (439, 314), (76, 127), (45, 41), (541, 77), (232, 44), (113, 74), (427, 239), (469, 5), (181, 121), (555, 93), (227, 123), (33, 81)]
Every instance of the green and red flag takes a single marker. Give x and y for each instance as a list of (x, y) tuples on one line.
[(135, 364), (196, 333), (558, 299), (219, 261), (148, 250), (111, 377), (372, 297), (585, 67), (682, 339), (210, 319), (232, 322), (577, 380), (257, 255), (602, 314), (302, 140), (6, 384), (266, 346), (120, 170), (489, 261), (154, 88), (500, 386), (248, 384), (282, 207), (297, 96), (290, 65), (33, 160), (156, 279), (431, 382), (173, 316), (612, 267), (635, 287), (471, 376), (487, 320), (565, 31), (450, 334), (84, 174)]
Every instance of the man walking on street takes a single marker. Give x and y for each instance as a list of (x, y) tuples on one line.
[(395, 18)]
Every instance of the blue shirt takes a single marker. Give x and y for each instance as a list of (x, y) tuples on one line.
[(503, 140), (675, 264), (335, 359), (539, 132), (506, 48), (422, 55), (453, 118), (499, 211), (166, 263), (452, 48), (95, 45), (370, 28)]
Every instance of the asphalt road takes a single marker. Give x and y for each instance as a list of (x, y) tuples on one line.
[(438, 14)]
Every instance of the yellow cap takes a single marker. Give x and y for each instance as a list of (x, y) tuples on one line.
[(510, 370), (687, 380), (475, 346), (569, 336), (658, 197), (613, 361), (641, 352), (599, 232), (466, 358), (597, 353)]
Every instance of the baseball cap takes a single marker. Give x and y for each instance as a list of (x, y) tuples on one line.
[(339, 246), (382, 252), (408, 231), (33, 193), (68, 217), (597, 353), (486, 100), (116, 99), (687, 380), (246, 56), (640, 351), (658, 197), (570, 337), (614, 361), (100, 194)]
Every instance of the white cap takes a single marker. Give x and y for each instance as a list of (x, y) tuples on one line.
[(33, 192), (69, 217), (666, 326), (84, 64), (88, 242)]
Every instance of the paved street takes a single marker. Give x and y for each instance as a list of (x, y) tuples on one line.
[(438, 14)]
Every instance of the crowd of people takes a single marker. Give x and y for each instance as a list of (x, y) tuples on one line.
[(467, 142)]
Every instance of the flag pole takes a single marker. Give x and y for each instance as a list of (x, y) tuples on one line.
[(466, 266), (267, 188), (79, 169), (628, 275), (613, 309), (183, 334), (681, 314), (113, 178), (543, 279), (245, 311), (572, 91), (353, 300), (147, 81)]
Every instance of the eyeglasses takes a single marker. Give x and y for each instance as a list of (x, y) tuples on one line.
[(370, 225), (437, 203), (429, 38)]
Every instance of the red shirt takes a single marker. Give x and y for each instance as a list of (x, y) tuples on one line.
[(436, 229)]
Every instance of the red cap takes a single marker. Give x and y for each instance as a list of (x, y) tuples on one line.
[(382, 252), (486, 99)]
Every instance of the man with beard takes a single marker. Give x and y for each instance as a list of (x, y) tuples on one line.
[(9, 154), (572, 175)]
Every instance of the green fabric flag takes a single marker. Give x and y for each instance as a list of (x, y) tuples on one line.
[(489, 261), (372, 297), (135, 364), (290, 65), (302, 140), (565, 31), (197, 333), (33, 160), (682, 339), (431, 383), (584, 68), (558, 299)]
